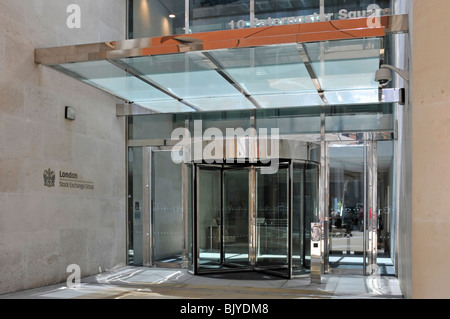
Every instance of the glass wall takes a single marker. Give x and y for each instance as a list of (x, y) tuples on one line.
[(170, 17), (344, 9), (154, 18), (289, 121)]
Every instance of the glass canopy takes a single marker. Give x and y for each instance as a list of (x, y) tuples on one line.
[(272, 76)]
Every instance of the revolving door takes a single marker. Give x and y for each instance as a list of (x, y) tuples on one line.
[(248, 220)]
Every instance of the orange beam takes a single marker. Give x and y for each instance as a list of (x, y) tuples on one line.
[(293, 33)]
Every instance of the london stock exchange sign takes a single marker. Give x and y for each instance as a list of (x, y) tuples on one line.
[(67, 179)]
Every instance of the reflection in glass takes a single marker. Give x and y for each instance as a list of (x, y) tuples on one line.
[(154, 18), (209, 218), (235, 217), (213, 15), (346, 194), (272, 224), (346, 206)]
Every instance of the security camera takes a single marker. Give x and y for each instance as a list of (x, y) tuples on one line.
[(383, 76)]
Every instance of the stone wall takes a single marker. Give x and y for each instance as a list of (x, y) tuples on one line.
[(430, 149), (45, 229)]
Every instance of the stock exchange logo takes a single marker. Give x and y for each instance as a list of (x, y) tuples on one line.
[(49, 178)]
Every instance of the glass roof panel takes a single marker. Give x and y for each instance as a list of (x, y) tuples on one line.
[(273, 76), (269, 70), (104, 75), (345, 64), (186, 75)]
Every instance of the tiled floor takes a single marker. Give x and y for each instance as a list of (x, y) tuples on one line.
[(164, 283)]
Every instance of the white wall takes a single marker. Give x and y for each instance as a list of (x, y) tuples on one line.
[(42, 229)]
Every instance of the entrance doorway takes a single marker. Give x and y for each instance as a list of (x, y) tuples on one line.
[(246, 220), (360, 207)]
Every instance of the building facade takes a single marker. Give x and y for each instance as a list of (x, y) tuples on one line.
[(224, 136)]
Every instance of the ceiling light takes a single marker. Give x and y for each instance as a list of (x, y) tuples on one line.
[(172, 16)]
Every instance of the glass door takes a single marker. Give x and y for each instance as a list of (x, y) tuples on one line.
[(353, 207), (208, 221), (273, 226), (166, 209), (347, 194), (222, 203), (236, 223)]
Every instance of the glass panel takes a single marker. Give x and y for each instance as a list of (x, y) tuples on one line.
[(272, 225), (153, 18), (283, 12), (220, 120), (386, 209), (135, 201), (167, 212), (346, 187), (236, 218), (209, 219), (155, 126), (345, 64), (213, 15), (274, 75), (290, 121), (359, 118), (191, 78), (343, 9), (298, 222), (104, 75), (186, 75)]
